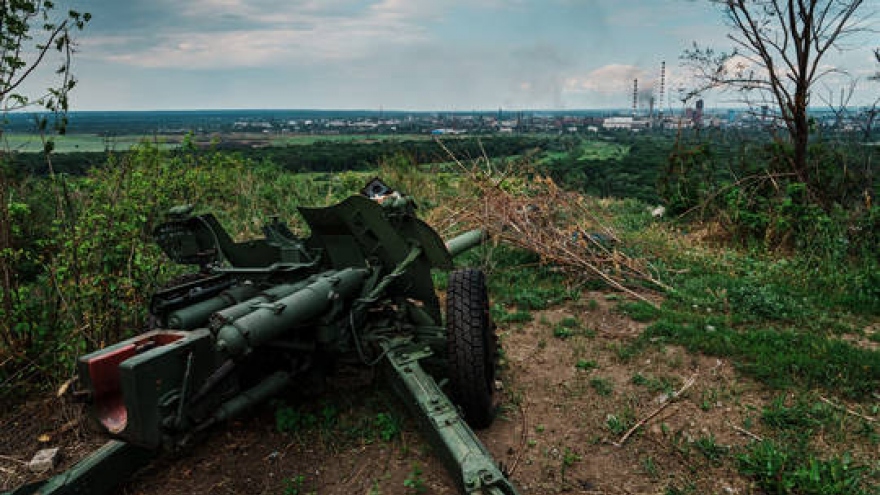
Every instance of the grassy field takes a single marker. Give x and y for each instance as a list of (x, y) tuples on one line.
[(590, 150), (91, 142), (71, 143), (307, 139)]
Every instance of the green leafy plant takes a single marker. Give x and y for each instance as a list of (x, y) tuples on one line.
[(710, 448), (291, 420), (586, 364), (638, 310), (415, 482), (620, 423), (779, 470), (387, 426), (562, 332), (602, 386)]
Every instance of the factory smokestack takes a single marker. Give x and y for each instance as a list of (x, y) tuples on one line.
[(635, 96), (662, 89)]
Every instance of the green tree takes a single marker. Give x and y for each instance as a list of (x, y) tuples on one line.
[(32, 34)]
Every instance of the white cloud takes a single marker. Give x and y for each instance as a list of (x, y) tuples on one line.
[(273, 32), (608, 79)]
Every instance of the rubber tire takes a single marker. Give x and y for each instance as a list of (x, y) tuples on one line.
[(472, 347)]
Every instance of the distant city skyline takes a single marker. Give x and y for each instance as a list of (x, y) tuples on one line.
[(441, 55)]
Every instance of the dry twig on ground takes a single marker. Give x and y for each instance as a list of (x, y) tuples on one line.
[(690, 381)]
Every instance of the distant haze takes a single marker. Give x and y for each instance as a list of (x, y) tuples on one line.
[(446, 55)]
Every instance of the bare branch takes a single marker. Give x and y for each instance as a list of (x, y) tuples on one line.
[(787, 42)]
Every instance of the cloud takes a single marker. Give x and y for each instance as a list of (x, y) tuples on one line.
[(224, 34), (609, 79)]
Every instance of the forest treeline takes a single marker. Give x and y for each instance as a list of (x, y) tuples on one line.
[(319, 156)]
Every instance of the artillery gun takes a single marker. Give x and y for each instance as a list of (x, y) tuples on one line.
[(259, 316)]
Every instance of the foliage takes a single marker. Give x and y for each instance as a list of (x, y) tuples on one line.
[(91, 270), (744, 189), (29, 31), (415, 482), (26, 22), (626, 167), (602, 386), (778, 319), (295, 485), (780, 470), (387, 426)]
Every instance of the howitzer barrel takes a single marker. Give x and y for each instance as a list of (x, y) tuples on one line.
[(232, 313), (273, 319), (463, 242), (196, 315)]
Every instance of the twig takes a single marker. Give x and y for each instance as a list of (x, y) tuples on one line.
[(747, 433), (690, 381), (13, 459), (524, 439), (850, 411)]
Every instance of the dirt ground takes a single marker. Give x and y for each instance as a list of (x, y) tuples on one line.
[(567, 399)]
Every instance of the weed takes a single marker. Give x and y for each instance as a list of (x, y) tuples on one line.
[(779, 358), (639, 379), (661, 384), (673, 489), (329, 416), (414, 481), (626, 352), (592, 305), (708, 399), (649, 466), (710, 448), (569, 457), (539, 428), (638, 310), (295, 485), (779, 470), (528, 299), (500, 315), (387, 426), (602, 386), (618, 424), (681, 443), (290, 420), (586, 365), (562, 332), (569, 322), (801, 416)]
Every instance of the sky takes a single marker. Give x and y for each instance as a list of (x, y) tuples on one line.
[(442, 55)]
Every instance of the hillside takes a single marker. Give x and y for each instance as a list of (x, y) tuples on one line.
[(693, 365)]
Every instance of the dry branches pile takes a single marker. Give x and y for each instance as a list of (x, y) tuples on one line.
[(564, 228)]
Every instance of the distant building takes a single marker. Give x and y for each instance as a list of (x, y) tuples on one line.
[(626, 123)]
